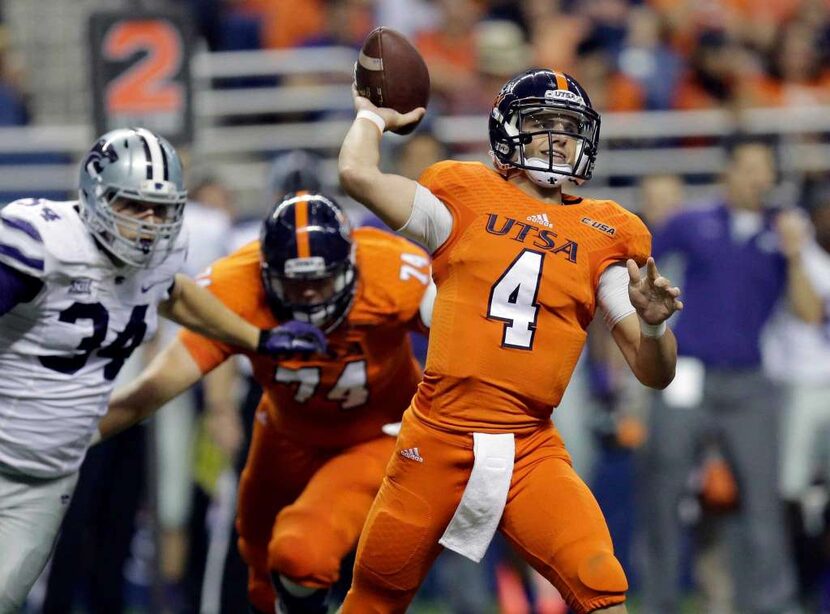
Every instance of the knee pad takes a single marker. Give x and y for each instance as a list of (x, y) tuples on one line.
[(395, 542), (297, 599), (602, 573)]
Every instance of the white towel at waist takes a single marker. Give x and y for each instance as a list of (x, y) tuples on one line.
[(478, 514)]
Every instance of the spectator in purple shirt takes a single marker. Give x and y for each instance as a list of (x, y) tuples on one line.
[(741, 258)]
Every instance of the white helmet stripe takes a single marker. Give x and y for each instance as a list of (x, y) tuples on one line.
[(156, 154)]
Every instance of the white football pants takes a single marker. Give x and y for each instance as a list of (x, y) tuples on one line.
[(31, 511)]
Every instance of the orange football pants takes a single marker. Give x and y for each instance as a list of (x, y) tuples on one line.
[(301, 509), (550, 518)]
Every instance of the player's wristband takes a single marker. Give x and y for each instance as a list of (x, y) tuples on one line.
[(96, 437), (654, 331), (373, 117)]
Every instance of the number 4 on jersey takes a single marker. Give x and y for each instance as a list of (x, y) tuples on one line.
[(513, 300)]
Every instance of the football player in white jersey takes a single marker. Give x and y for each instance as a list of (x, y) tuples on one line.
[(81, 283)]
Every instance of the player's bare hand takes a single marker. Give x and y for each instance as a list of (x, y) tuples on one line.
[(393, 119), (652, 295), (793, 230)]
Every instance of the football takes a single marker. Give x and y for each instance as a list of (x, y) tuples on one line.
[(391, 73)]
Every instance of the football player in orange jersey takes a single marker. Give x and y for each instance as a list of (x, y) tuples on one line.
[(345, 302), (520, 268)]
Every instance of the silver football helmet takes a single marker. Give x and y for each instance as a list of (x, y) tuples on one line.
[(132, 165)]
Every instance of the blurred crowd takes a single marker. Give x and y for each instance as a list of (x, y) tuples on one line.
[(716, 490), (630, 55)]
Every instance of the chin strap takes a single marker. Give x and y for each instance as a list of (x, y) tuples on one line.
[(545, 178)]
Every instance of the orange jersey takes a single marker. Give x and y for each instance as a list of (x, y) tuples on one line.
[(517, 281), (371, 374)]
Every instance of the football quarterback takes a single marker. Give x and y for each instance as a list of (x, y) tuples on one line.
[(521, 268)]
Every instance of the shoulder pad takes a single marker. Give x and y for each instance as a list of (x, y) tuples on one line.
[(38, 235)]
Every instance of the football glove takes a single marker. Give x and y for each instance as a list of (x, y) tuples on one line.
[(291, 338)]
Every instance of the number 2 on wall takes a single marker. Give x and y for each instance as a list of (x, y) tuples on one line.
[(513, 300), (146, 86)]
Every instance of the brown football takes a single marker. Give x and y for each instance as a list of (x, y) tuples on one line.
[(391, 73)]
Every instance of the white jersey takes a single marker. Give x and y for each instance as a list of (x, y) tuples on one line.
[(60, 352), (794, 351)]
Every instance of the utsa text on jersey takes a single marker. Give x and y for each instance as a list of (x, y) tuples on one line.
[(544, 239)]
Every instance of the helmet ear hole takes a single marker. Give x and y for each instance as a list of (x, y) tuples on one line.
[(503, 146), (505, 150)]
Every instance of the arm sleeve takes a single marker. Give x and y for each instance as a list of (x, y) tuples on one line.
[(425, 309), (633, 241), (612, 295), (430, 222), (16, 288)]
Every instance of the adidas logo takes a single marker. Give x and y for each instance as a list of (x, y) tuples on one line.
[(541, 219), (412, 454)]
